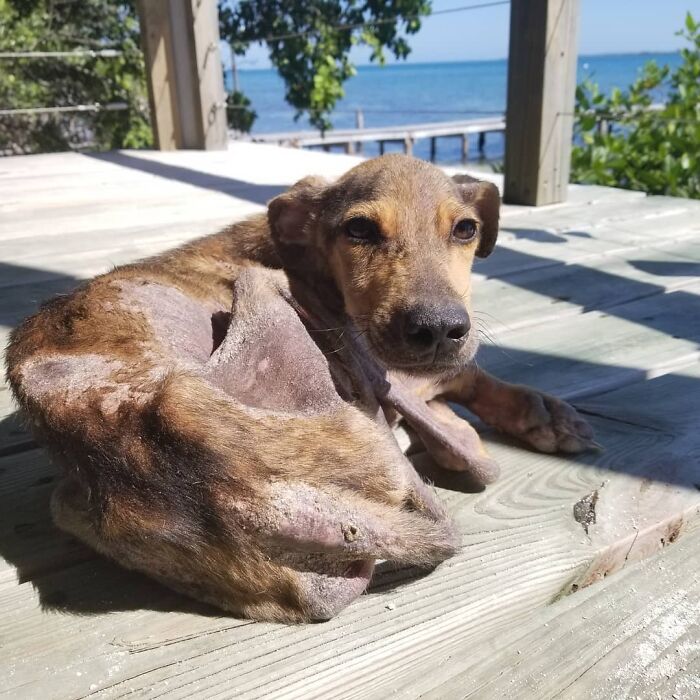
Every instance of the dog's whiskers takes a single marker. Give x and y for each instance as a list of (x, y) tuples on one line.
[(495, 318)]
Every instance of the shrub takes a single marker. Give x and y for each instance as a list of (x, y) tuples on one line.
[(46, 25), (657, 151)]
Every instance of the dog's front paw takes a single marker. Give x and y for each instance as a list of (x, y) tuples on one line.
[(551, 425)]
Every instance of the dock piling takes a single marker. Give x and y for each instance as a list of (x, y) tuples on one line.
[(360, 124), (465, 147)]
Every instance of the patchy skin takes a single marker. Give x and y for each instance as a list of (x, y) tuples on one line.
[(220, 411), (75, 378), (181, 325)]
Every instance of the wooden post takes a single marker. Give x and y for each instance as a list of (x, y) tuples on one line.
[(408, 146), (541, 86), (465, 147), (433, 148), (381, 148), (185, 79), (482, 144)]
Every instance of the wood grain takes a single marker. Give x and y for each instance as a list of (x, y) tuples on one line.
[(636, 635)]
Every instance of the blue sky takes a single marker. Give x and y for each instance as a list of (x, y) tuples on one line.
[(607, 26)]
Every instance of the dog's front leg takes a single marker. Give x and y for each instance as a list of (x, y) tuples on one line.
[(538, 419)]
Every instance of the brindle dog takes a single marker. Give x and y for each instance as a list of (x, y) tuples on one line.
[(244, 458)]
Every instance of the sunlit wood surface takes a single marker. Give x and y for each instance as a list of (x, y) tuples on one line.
[(596, 300)]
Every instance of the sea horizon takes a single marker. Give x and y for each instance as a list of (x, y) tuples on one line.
[(407, 63), (408, 93)]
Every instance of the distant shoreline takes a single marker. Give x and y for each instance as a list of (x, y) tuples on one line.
[(418, 64)]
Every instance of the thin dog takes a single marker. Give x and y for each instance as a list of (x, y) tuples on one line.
[(212, 437)]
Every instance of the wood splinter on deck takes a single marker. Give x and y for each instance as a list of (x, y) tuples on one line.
[(584, 510)]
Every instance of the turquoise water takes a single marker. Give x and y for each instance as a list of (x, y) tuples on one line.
[(412, 93)]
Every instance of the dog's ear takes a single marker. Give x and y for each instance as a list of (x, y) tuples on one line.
[(291, 215), (484, 196)]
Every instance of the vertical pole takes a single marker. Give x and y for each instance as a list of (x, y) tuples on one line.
[(465, 147), (185, 79), (433, 148), (408, 146), (381, 148), (482, 144), (234, 71), (541, 87), (360, 124)]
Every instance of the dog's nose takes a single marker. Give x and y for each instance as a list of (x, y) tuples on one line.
[(426, 327)]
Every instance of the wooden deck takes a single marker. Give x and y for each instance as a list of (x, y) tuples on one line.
[(597, 300)]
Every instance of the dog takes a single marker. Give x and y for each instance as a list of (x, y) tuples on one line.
[(222, 412)]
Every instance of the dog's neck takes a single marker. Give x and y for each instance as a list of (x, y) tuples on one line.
[(310, 282)]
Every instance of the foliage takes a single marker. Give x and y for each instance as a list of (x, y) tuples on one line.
[(657, 151), (67, 25), (310, 42), (240, 116)]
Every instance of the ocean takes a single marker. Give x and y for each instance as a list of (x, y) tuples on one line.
[(406, 93)]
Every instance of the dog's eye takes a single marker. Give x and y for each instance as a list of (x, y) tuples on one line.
[(465, 230), (362, 229)]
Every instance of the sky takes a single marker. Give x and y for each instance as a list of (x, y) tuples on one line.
[(607, 26)]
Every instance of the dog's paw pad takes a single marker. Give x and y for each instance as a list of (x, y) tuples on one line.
[(559, 428)]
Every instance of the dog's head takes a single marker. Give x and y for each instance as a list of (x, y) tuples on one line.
[(397, 237)]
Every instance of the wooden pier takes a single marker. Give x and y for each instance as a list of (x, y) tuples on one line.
[(353, 140)]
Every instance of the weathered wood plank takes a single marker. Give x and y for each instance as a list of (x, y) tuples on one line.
[(38, 251), (82, 265), (521, 548), (522, 545), (253, 163), (97, 218), (506, 300), (600, 351), (30, 544), (636, 635), (577, 238), (14, 436)]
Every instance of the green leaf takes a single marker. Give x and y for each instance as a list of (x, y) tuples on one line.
[(689, 22)]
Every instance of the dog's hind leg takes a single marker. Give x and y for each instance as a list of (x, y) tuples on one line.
[(245, 531)]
